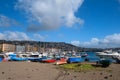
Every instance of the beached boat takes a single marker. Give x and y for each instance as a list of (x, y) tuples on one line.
[(49, 60), (61, 61), (15, 57), (2, 56), (35, 57), (74, 60), (18, 59), (104, 62)]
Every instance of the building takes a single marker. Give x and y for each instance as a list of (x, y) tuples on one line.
[(31, 48), (5, 47), (20, 48)]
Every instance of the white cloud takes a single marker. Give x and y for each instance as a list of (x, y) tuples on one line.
[(76, 43), (40, 37), (9, 35), (7, 22), (108, 42), (50, 14)]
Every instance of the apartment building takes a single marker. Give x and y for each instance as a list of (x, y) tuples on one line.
[(20, 48), (5, 47), (31, 48)]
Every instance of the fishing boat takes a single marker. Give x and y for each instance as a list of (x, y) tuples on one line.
[(35, 57), (74, 60), (18, 59), (61, 61), (2, 56), (104, 62), (84, 54), (49, 60)]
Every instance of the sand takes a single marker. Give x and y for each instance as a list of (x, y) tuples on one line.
[(27, 71), (46, 71)]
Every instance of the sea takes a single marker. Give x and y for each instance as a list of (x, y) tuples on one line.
[(92, 57)]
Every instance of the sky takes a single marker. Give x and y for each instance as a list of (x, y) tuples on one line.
[(84, 23)]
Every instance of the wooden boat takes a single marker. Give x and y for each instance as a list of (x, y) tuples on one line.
[(104, 62), (18, 59), (61, 61), (33, 59), (49, 60), (74, 60), (84, 54)]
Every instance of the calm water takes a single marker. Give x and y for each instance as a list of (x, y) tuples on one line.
[(91, 57)]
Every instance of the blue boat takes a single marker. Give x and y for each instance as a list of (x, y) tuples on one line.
[(0, 59), (13, 57), (74, 60), (18, 59)]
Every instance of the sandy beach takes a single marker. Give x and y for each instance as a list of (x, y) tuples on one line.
[(27, 71), (46, 71)]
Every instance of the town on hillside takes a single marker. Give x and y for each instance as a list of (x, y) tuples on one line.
[(38, 46)]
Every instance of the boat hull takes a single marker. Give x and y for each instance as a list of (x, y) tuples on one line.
[(74, 60), (49, 60)]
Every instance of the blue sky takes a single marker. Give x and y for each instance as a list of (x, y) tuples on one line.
[(85, 23)]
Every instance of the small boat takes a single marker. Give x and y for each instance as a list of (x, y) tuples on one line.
[(83, 54), (104, 62), (74, 60), (2, 56), (18, 59), (34, 59), (61, 61), (49, 60), (1, 59)]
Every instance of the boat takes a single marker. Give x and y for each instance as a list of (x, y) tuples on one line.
[(35, 57), (61, 61), (83, 54), (2, 56), (104, 62), (18, 59), (49, 60), (108, 54), (74, 60)]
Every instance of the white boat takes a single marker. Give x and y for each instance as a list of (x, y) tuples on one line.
[(108, 54)]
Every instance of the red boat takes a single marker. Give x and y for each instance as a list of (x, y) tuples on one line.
[(61, 61), (49, 60)]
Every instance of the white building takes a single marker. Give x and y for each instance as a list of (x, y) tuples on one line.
[(20, 48)]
